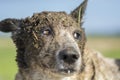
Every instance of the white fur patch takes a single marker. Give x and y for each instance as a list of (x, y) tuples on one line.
[(67, 78), (70, 78), (67, 41)]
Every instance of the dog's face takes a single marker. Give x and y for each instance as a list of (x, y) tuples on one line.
[(58, 42), (52, 41)]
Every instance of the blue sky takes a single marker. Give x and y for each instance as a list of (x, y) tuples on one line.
[(102, 16)]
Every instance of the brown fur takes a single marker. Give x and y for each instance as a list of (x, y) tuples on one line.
[(38, 50)]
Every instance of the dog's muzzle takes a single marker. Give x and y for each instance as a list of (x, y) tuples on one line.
[(68, 59)]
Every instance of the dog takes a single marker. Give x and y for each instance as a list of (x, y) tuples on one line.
[(52, 46)]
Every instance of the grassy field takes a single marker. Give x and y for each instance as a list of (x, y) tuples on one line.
[(8, 66), (109, 46)]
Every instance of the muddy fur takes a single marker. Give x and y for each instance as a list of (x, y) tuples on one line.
[(43, 42)]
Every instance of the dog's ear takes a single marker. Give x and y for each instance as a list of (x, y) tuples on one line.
[(79, 12), (9, 25)]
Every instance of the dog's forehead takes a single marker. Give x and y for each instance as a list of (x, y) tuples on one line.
[(53, 16), (53, 19)]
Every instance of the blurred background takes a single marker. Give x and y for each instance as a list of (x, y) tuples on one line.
[(102, 25)]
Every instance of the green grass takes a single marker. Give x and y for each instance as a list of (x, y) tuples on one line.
[(8, 66), (112, 54), (109, 46)]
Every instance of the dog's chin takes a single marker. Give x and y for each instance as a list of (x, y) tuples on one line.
[(67, 72)]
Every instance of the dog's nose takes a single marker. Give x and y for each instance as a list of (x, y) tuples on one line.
[(69, 56)]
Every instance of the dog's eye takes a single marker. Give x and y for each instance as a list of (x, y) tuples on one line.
[(77, 35), (46, 32)]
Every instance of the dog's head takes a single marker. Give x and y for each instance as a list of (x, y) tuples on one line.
[(49, 40)]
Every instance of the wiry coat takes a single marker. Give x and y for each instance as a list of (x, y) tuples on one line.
[(51, 46)]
